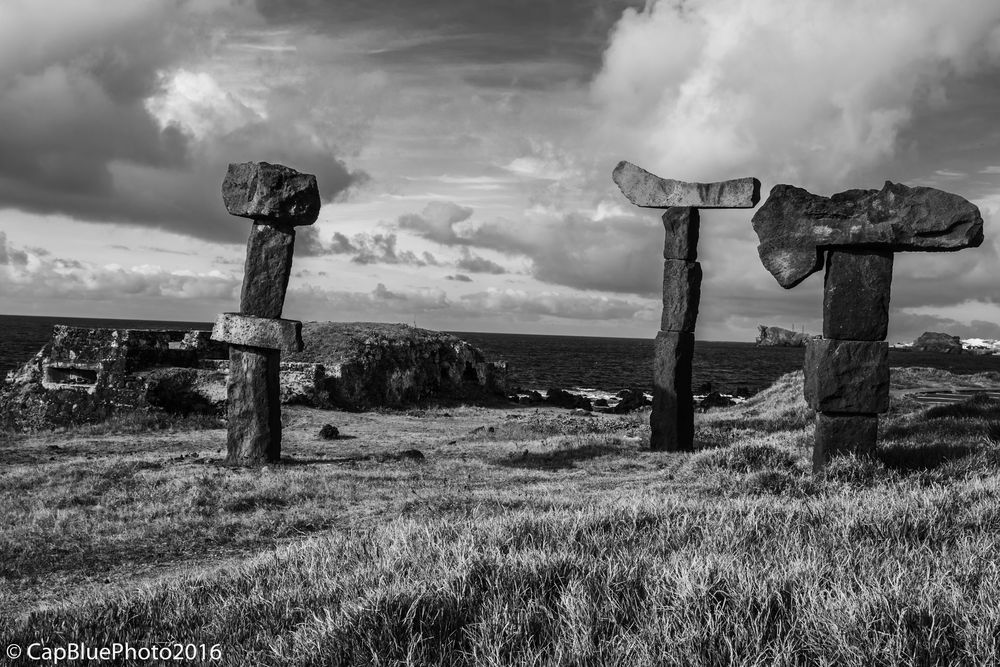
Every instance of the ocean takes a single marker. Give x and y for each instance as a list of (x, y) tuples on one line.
[(590, 365)]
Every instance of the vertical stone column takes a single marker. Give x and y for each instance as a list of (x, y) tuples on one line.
[(277, 199), (847, 371), (253, 396), (672, 418)]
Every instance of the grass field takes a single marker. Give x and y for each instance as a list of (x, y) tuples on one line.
[(524, 536)]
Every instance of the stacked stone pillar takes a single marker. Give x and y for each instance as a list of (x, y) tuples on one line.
[(277, 199), (858, 231), (847, 371), (672, 419)]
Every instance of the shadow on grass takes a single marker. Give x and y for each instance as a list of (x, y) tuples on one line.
[(559, 459), (906, 458)]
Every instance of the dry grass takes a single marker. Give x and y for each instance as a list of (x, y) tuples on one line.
[(550, 539)]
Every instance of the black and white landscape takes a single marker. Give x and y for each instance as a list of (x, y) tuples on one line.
[(422, 332)]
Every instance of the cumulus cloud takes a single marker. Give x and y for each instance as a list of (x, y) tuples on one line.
[(475, 264), (364, 248), (40, 276), (812, 93), (603, 249), (437, 221), (580, 249), (111, 115)]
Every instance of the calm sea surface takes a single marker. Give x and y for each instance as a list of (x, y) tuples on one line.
[(538, 362)]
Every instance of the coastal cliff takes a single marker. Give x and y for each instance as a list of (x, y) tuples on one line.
[(85, 375), (778, 337)]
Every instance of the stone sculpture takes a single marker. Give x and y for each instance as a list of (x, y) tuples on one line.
[(847, 371), (672, 418), (277, 199)]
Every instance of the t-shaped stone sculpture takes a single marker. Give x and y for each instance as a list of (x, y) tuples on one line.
[(847, 371), (672, 418), (277, 199)]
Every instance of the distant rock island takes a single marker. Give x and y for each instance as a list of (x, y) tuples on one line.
[(778, 337), (943, 343), (86, 375)]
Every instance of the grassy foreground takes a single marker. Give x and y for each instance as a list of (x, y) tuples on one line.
[(523, 537)]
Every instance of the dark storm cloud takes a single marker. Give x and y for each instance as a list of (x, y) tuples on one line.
[(78, 139)]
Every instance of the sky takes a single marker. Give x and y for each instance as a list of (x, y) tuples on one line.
[(464, 152)]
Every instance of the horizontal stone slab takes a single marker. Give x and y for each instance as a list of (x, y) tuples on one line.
[(271, 193), (681, 227), (847, 376), (681, 294), (794, 226), (650, 191), (263, 332)]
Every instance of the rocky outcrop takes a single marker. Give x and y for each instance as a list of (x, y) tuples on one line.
[(930, 341), (366, 365), (778, 337), (85, 375)]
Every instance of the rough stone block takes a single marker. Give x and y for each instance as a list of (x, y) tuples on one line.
[(847, 376), (681, 225), (681, 294), (650, 191), (843, 434), (856, 294), (794, 226), (266, 270), (261, 332), (672, 418), (253, 406), (271, 193)]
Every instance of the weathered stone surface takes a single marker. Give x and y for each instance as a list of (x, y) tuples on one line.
[(650, 191), (681, 294), (682, 225), (930, 341), (778, 337), (631, 399), (273, 334), (843, 434), (253, 406), (794, 226), (672, 418), (271, 193), (856, 294), (348, 365), (266, 270), (83, 375), (368, 365), (564, 399), (847, 376)]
